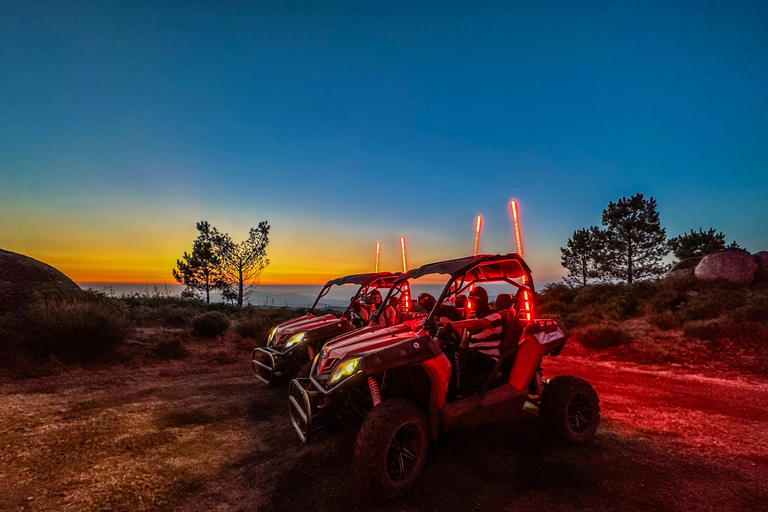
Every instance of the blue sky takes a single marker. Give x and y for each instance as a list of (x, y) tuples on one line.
[(124, 123)]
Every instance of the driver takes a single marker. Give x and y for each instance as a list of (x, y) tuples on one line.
[(386, 317), (357, 314)]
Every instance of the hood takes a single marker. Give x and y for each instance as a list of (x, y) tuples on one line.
[(302, 323), (365, 340)]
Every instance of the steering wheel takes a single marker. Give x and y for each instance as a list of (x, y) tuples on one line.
[(447, 335)]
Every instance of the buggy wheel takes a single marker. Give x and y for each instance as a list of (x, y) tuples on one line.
[(570, 409), (391, 448)]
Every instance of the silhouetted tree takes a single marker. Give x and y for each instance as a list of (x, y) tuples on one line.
[(201, 270), (698, 243), (241, 264), (580, 255), (635, 242)]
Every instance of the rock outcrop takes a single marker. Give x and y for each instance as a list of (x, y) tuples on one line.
[(734, 265), (684, 269), (761, 258), (24, 280)]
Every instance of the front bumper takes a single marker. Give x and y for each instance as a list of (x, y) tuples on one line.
[(269, 364), (312, 406)]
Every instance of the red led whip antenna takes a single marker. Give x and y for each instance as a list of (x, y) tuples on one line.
[(402, 249), (478, 226), (519, 241)]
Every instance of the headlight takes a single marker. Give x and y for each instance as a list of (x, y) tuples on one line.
[(272, 336), (345, 369), (295, 339)]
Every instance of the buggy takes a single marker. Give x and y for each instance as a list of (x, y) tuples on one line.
[(294, 343), (400, 380)]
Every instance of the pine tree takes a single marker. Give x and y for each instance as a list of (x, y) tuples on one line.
[(200, 270), (694, 244), (635, 242), (241, 264), (580, 256)]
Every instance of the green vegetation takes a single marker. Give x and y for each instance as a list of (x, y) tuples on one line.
[(218, 263), (677, 321), (697, 244), (631, 245), (132, 329)]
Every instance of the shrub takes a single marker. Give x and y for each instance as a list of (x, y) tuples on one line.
[(254, 327), (171, 348), (665, 320), (74, 332), (210, 324), (175, 317), (704, 330), (603, 337)]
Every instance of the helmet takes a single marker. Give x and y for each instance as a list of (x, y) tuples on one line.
[(426, 301), (478, 295)]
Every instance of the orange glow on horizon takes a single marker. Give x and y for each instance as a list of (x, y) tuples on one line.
[(478, 226)]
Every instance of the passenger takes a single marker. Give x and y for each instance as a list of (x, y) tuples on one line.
[(475, 358), (357, 314), (387, 316), (427, 303), (462, 307)]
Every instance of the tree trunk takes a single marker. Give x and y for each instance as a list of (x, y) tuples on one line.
[(240, 286), (629, 264), (584, 271)]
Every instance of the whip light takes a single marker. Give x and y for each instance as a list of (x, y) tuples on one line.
[(402, 249), (478, 226), (378, 249)]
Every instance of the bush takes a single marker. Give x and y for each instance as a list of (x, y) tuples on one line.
[(73, 332), (704, 330), (175, 317), (172, 348), (665, 320), (254, 327), (210, 324), (603, 337)]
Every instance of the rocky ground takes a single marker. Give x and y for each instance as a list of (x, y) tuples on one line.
[(201, 434)]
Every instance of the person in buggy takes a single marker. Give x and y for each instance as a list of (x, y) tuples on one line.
[(381, 314)]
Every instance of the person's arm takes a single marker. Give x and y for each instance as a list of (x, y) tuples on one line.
[(471, 323)]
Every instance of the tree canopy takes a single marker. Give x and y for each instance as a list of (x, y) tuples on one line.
[(699, 243), (579, 256), (201, 270), (218, 263)]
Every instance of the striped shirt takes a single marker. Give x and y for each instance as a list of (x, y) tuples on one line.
[(488, 341)]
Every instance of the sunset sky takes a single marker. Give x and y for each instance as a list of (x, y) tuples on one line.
[(122, 124)]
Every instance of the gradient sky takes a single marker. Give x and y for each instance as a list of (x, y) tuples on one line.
[(122, 124)]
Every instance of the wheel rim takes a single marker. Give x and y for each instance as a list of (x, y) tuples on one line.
[(403, 452), (580, 413)]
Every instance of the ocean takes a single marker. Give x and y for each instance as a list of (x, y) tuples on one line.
[(274, 295)]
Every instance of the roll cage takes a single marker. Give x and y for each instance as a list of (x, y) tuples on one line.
[(366, 281), (469, 271)]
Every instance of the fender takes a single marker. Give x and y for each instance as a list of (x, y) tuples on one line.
[(439, 370), (541, 336)]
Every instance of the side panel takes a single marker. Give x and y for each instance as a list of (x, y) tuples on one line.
[(528, 356), (439, 371)]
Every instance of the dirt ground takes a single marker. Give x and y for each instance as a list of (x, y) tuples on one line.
[(202, 434)]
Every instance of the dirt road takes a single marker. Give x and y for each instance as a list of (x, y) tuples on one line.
[(201, 435)]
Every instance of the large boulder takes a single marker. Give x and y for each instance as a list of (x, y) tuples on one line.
[(24, 280), (683, 269), (761, 258), (733, 265)]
